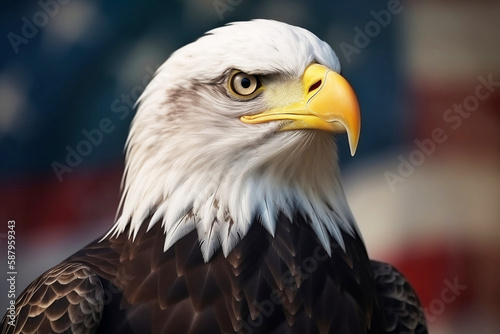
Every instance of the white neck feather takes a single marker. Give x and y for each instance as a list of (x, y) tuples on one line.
[(222, 201)]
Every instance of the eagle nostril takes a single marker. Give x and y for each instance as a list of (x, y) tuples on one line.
[(314, 86)]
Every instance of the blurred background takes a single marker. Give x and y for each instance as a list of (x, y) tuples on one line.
[(424, 185)]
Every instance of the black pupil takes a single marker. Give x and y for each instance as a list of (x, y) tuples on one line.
[(245, 82)]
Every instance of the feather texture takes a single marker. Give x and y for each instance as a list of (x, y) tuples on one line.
[(67, 298)]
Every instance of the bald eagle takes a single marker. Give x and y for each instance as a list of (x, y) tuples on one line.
[(232, 217)]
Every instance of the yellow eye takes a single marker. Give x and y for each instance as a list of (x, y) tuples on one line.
[(244, 85)]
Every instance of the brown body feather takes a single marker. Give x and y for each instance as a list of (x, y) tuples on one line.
[(281, 284)]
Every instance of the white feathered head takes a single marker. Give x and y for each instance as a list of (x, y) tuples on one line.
[(238, 127)]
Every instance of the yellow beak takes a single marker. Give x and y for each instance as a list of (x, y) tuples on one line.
[(328, 103)]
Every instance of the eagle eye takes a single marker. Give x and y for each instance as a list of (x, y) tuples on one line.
[(243, 85)]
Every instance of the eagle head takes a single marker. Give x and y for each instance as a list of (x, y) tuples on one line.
[(238, 128)]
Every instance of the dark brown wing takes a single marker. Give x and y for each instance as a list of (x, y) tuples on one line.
[(402, 310), (66, 299)]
